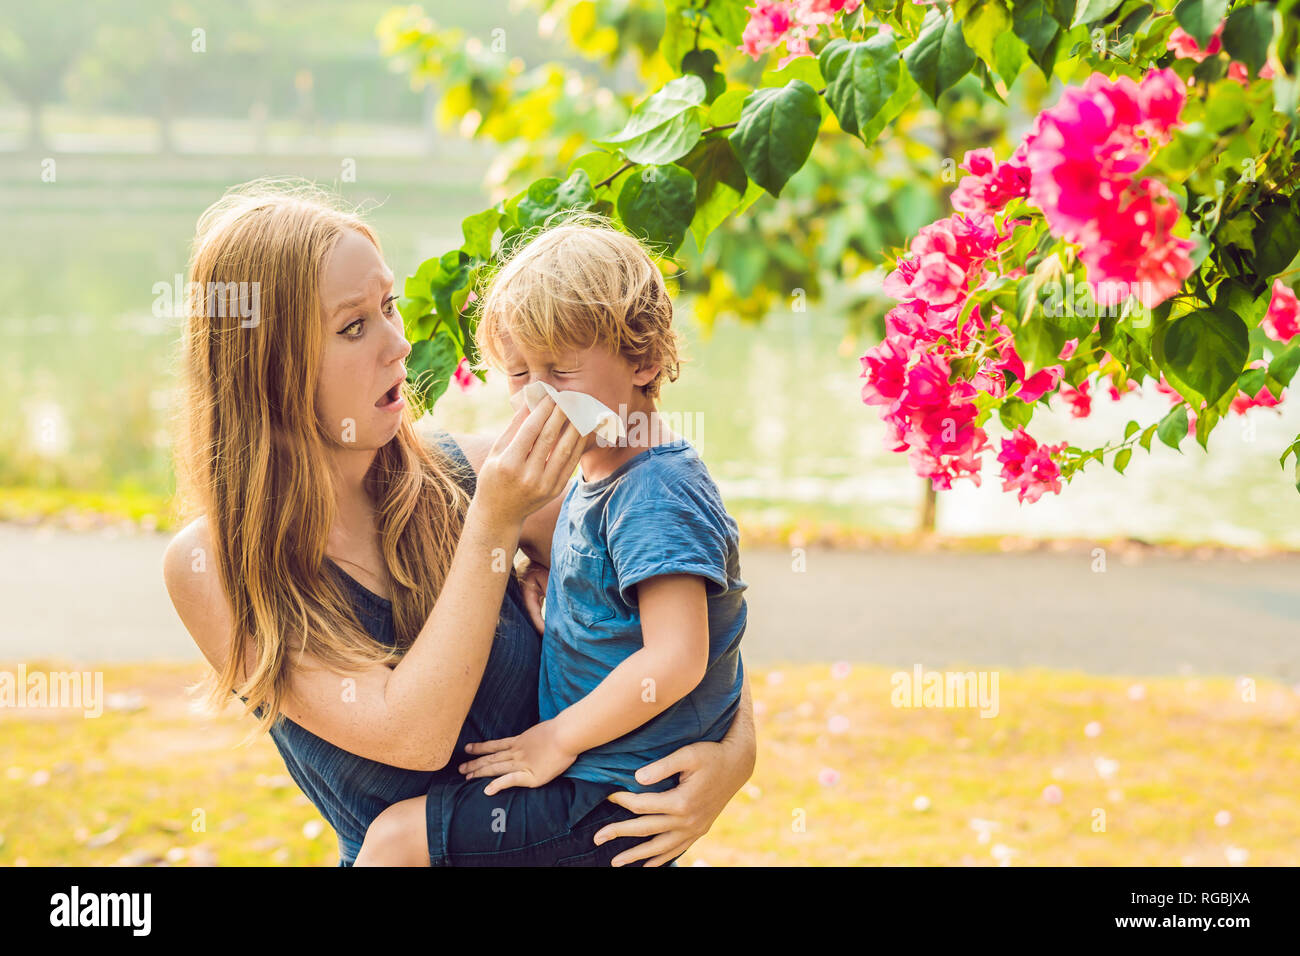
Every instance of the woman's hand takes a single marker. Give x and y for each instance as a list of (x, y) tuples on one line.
[(533, 581), (676, 818), (530, 463)]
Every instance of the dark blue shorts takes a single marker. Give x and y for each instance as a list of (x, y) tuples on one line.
[(552, 825)]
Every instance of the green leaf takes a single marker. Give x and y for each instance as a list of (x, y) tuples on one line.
[(1252, 380), (806, 68), (1247, 34), (940, 55), (1039, 30), (1200, 17), (778, 127), (1277, 237), (720, 184), (1205, 423), (1148, 432), (704, 64), (666, 126), (1283, 367), (1129, 429), (658, 205), (548, 196), (1014, 414), (599, 164), (1090, 11), (430, 367), (418, 320), (1172, 429), (1234, 296), (1203, 352), (860, 79), (1122, 458), (982, 25), (726, 108), (1009, 54), (478, 230)]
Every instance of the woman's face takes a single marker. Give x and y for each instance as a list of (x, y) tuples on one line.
[(365, 346)]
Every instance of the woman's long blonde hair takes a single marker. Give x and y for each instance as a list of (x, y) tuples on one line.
[(253, 456)]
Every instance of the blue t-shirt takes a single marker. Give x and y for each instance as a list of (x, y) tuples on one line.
[(658, 513)]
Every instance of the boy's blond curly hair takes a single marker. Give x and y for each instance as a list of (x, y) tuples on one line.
[(577, 283)]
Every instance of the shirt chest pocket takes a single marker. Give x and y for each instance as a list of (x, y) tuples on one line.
[(585, 588)]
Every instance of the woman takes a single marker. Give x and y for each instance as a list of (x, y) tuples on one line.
[(352, 585)]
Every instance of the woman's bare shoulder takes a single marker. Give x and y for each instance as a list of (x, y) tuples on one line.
[(193, 583), (475, 447)]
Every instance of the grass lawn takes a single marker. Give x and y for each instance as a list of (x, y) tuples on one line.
[(1186, 770)]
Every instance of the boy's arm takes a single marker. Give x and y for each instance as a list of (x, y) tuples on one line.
[(671, 662), (669, 665)]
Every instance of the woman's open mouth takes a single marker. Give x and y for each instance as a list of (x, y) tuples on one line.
[(391, 400)]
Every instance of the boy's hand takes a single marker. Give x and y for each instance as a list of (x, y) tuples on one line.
[(533, 585), (531, 759)]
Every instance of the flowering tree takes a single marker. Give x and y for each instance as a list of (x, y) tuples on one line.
[(1145, 229)]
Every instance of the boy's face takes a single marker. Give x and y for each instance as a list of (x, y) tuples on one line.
[(606, 376)]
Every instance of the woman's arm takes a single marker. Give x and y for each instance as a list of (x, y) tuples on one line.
[(410, 715), (539, 527), (711, 774)]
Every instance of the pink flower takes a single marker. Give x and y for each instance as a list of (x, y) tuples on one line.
[(1029, 468), (823, 11), (1282, 321), (884, 368), (1078, 398), (464, 377), (1162, 95), (1186, 48), (991, 185), (794, 21), (1129, 386), (1082, 154), (767, 26)]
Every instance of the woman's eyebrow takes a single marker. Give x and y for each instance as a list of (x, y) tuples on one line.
[(360, 298)]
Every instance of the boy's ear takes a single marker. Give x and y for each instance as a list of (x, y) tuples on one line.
[(645, 373)]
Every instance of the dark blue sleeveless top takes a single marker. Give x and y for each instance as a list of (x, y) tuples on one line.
[(350, 791)]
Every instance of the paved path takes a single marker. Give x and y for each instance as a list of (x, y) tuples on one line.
[(91, 596)]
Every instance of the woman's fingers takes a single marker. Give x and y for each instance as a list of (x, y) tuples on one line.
[(506, 437), (665, 843), (564, 459), (642, 826), (516, 448), (552, 430), (648, 802)]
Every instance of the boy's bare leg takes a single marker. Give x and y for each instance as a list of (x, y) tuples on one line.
[(397, 837)]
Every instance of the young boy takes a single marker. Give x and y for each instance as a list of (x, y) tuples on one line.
[(644, 609)]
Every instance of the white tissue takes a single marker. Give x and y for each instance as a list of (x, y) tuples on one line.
[(587, 414)]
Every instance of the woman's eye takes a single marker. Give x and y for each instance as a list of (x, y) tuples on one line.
[(390, 306), (351, 325)]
